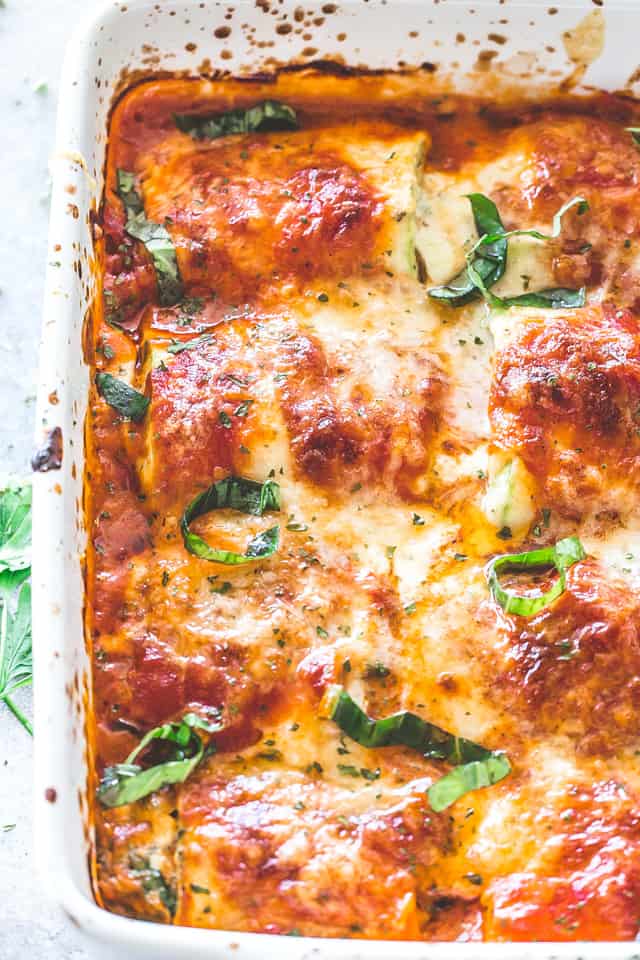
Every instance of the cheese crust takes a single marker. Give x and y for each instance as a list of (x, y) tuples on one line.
[(412, 441)]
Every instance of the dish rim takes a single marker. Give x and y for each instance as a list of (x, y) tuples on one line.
[(54, 547)]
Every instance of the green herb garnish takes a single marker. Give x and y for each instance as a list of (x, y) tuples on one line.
[(234, 493), (152, 881), (469, 776), (561, 556), (155, 237), (16, 665), (130, 404), (127, 782), (261, 118), (409, 730), (487, 261), (15, 528)]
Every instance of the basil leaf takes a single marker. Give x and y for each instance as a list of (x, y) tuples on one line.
[(16, 660), (475, 766), (234, 493), (128, 194), (489, 262), (400, 729), (470, 776), (15, 528), (127, 782), (130, 404), (263, 117), (635, 134), (156, 239), (16, 664), (556, 299), (561, 556), (556, 226)]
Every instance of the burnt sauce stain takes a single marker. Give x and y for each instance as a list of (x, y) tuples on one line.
[(49, 455)]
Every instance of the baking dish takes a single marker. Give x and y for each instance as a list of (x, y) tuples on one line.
[(457, 44)]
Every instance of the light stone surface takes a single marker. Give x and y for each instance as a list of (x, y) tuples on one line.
[(33, 34)]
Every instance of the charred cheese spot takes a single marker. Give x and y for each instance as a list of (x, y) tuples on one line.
[(344, 430), (247, 211), (593, 158), (573, 668), (566, 399)]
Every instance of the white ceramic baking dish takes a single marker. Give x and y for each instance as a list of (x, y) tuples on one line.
[(519, 41)]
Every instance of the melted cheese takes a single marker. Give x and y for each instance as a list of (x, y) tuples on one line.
[(400, 432)]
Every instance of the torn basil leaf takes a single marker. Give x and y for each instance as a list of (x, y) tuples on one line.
[(475, 766), (400, 729), (635, 134), (555, 299), (469, 776), (561, 556), (16, 658), (127, 782), (130, 404), (155, 237), (15, 528), (128, 194), (234, 493), (270, 115), (487, 261)]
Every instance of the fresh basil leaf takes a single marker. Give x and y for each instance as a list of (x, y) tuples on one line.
[(15, 528), (127, 782), (15, 631), (635, 134), (400, 729), (261, 118), (158, 242), (127, 192), (561, 556), (156, 239), (475, 766), (130, 404), (16, 665), (556, 299), (234, 493), (556, 226), (16, 661), (489, 261), (463, 779)]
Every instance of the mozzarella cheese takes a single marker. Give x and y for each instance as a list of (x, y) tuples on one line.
[(411, 442)]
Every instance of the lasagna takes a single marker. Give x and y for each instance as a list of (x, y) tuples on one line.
[(361, 490)]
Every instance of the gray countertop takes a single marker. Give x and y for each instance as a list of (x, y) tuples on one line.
[(33, 34)]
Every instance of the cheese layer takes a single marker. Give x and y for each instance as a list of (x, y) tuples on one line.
[(412, 441)]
